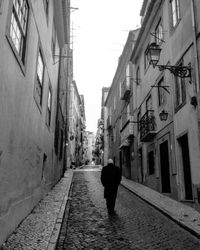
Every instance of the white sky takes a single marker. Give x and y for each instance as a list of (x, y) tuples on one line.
[(100, 29)]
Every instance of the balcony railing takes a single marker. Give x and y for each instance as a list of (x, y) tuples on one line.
[(125, 89), (147, 126)]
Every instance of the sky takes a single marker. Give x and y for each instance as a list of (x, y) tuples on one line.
[(99, 29)]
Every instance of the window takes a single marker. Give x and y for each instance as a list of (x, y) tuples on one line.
[(128, 111), (149, 103), (56, 140), (125, 115), (180, 91), (146, 61), (138, 75), (46, 7), (49, 107), (128, 76), (53, 42), (114, 134), (40, 79), (159, 33), (114, 102), (1, 3), (175, 8), (138, 120), (18, 27), (61, 145), (161, 92)]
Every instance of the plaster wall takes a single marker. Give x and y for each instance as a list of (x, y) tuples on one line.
[(25, 137), (185, 119)]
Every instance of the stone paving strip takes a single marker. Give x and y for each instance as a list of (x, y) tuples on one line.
[(38, 229)]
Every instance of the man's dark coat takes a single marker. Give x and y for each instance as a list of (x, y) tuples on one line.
[(110, 179)]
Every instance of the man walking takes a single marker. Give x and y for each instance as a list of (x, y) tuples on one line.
[(110, 179)]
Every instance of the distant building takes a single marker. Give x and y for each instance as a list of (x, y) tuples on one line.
[(90, 145), (76, 125), (101, 143), (118, 131)]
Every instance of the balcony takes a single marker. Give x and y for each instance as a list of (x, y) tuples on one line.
[(147, 126), (125, 89)]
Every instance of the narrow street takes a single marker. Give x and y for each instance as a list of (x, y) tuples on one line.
[(137, 225)]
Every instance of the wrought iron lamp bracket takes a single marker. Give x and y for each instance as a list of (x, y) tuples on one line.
[(180, 71)]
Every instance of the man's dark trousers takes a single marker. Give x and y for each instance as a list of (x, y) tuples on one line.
[(110, 203)]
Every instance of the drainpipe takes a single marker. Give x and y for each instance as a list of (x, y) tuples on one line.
[(195, 47)]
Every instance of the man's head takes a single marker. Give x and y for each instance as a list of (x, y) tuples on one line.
[(110, 161)]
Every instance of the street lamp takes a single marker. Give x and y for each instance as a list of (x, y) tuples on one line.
[(163, 115), (153, 55)]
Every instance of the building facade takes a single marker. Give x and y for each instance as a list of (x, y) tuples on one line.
[(167, 151), (99, 143), (118, 131), (29, 77), (76, 126), (90, 146), (163, 152)]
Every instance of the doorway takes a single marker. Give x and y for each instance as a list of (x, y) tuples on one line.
[(185, 162), (165, 167)]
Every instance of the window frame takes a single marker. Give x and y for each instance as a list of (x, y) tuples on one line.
[(46, 9), (120, 90), (49, 109), (161, 93), (175, 4), (149, 103), (1, 7), (39, 82), (139, 115), (159, 34), (53, 41), (180, 87), (146, 61), (137, 75), (21, 52), (114, 103)]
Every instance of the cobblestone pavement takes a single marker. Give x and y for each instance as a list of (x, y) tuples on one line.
[(35, 231), (137, 225)]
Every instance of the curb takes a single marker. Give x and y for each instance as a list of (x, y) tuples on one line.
[(58, 223)]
